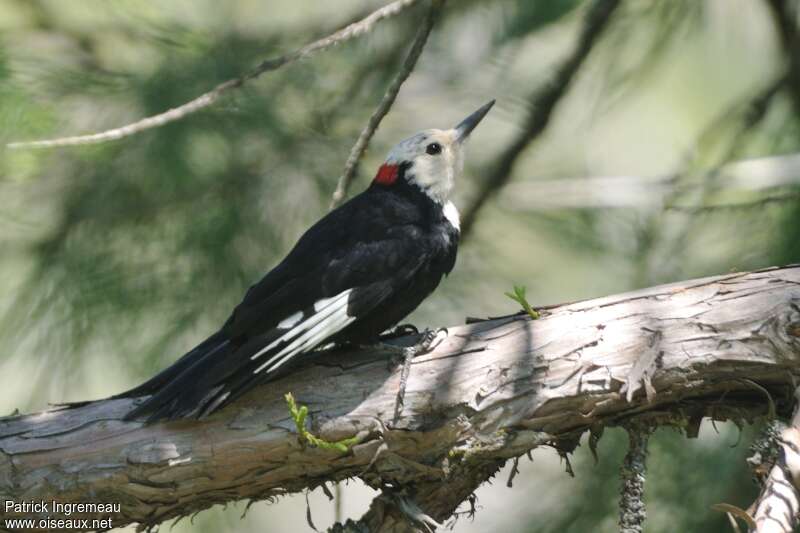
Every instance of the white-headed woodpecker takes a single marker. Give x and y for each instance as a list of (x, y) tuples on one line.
[(357, 272)]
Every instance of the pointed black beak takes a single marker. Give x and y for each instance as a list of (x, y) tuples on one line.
[(466, 126)]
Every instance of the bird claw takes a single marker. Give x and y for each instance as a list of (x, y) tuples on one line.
[(429, 340)]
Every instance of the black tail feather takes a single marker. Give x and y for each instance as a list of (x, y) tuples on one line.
[(177, 391), (167, 375), (207, 378)]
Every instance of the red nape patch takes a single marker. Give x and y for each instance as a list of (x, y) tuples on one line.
[(387, 174)]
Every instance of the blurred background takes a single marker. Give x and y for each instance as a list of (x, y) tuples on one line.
[(673, 153)]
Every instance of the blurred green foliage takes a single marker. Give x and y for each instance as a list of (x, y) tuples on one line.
[(119, 257)]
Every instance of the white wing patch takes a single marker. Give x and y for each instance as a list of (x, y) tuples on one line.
[(290, 321), (451, 214), (322, 304), (329, 318)]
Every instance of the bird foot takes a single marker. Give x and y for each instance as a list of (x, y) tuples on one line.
[(429, 340)]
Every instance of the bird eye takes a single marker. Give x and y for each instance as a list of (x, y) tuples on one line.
[(434, 148)]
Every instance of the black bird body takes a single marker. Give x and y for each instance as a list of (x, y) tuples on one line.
[(355, 273), (391, 245)]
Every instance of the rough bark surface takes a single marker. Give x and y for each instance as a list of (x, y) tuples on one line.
[(491, 391)]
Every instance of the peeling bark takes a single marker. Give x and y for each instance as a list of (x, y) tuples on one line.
[(492, 390)]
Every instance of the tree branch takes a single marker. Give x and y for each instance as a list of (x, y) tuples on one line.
[(777, 508), (758, 202), (491, 391), (347, 33), (357, 152), (543, 102), (762, 174)]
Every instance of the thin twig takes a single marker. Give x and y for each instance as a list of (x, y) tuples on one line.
[(337, 503), (785, 16), (632, 474), (347, 33), (513, 473), (543, 101), (386, 103)]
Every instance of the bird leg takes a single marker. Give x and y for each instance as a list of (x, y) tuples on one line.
[(428, 341)]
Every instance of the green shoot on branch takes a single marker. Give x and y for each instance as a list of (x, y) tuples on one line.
[(299, 415), (519, 297)]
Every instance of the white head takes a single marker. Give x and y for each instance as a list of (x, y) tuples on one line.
[(431, 159)]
